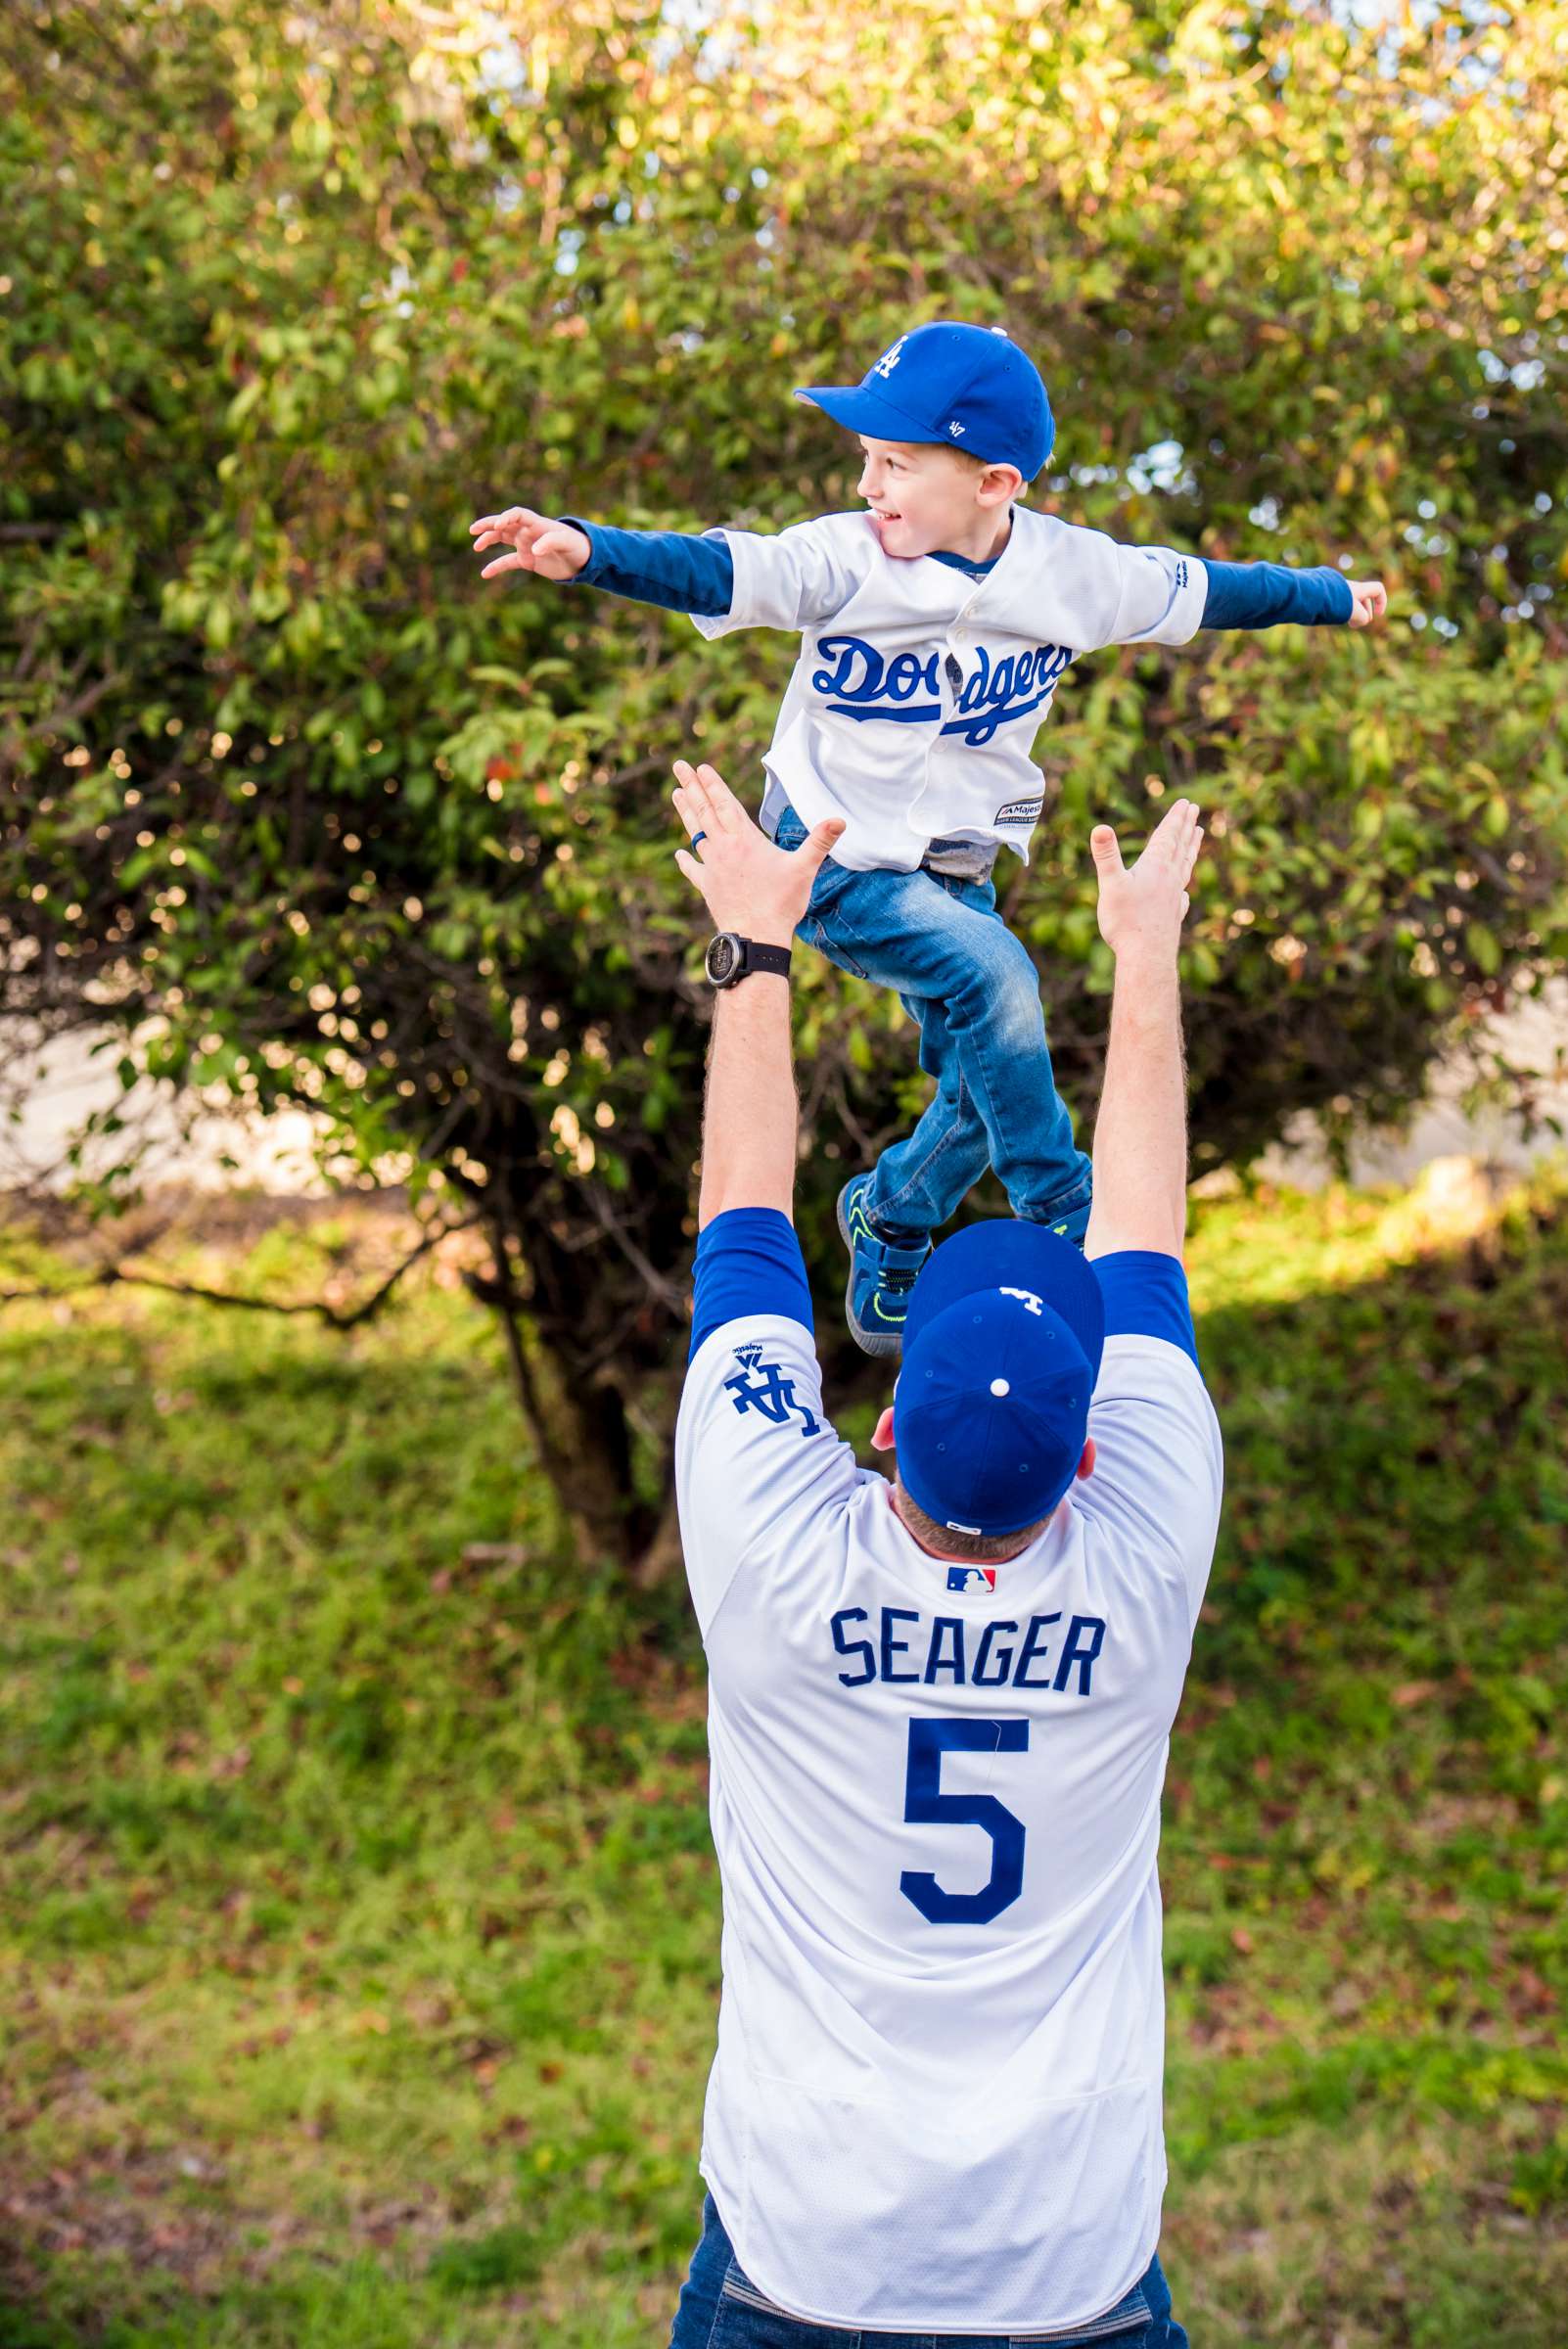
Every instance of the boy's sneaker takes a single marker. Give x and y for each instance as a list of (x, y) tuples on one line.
[(876, 1299), (1074, 1225)]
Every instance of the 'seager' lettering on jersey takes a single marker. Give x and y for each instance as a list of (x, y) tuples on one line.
[(949, 1652)]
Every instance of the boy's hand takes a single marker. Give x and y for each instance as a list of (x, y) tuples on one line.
[(556, 550), (750, 886), (1142, 906), (1368, 602)]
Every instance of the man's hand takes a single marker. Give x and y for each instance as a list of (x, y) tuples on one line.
[(1368, 602), (556, 550), (1143, 908), (750, 886), (1140, 1133)]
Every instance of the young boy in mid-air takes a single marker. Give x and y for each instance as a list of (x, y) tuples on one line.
[(933, 629)]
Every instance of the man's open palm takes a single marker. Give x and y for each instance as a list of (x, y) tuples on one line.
[(556, 550), (750, 886), (1144, 905)]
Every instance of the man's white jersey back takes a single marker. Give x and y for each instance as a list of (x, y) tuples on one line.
[(936, 2098)]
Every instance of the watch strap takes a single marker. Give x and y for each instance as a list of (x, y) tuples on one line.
[(756, 958)]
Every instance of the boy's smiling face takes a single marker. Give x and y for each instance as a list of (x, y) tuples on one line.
[(925, 498)]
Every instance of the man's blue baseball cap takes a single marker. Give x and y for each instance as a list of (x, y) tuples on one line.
[(967, 386), (1001, 1348)]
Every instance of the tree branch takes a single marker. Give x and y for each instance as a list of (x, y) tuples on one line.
[(116, 1277), (668, 1296), (70, 712)]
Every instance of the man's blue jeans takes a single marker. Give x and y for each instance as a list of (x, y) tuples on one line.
[(974, 994), (721, 2308)]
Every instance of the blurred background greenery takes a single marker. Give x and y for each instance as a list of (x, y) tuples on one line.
[(359, 1917), (298, 808)]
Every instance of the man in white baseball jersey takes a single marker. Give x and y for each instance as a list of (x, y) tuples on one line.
[(940, 1708), (933, 629)]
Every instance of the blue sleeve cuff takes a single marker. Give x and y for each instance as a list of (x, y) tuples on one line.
[(749, 1260), (672, 568), (1146, 1297), (1260, 595)]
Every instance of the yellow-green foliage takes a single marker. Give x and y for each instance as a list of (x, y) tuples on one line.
[(308, 813), (289, 293)]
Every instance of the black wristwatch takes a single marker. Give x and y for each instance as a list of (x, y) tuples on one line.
[(731, 958)]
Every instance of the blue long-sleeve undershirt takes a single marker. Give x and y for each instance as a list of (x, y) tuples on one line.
[(1260, 595), (675, 569), (685, 573)]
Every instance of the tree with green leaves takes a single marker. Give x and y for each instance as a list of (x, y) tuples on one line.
[(298, 808)]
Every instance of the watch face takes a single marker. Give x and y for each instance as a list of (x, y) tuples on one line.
[(723, 958)]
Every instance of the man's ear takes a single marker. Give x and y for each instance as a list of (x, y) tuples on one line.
[(882, 1433), (1085, 1466)]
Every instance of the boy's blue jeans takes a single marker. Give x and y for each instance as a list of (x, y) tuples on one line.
[(721, 2308), (972, 989)]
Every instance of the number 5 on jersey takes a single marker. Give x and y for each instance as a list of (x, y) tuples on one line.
[(924, 1803)]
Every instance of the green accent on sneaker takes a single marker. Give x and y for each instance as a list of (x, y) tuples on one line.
[(877, 1327)]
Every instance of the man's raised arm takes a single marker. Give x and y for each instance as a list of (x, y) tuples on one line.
[(1140, 1135), (758, 893), (756, 1457)]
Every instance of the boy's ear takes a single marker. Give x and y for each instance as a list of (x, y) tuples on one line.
[(1000, 484)]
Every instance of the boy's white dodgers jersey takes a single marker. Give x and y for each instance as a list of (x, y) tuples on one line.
[(919, 690), (936, 2103)]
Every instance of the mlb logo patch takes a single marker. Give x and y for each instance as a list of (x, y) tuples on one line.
[(965, 1578)]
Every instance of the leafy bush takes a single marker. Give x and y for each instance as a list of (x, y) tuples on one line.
[(303, 811)]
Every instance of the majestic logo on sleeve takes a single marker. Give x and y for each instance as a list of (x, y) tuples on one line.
[(758, 1386), (860, 682)]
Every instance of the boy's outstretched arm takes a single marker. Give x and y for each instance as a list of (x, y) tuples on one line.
[(1263, 595), (1158, 595), (673, 569), (722, 579)]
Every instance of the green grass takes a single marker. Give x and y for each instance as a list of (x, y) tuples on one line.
[(359, 1941)]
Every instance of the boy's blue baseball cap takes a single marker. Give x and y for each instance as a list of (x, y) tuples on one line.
[(1001, 1348), (968, 387)]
